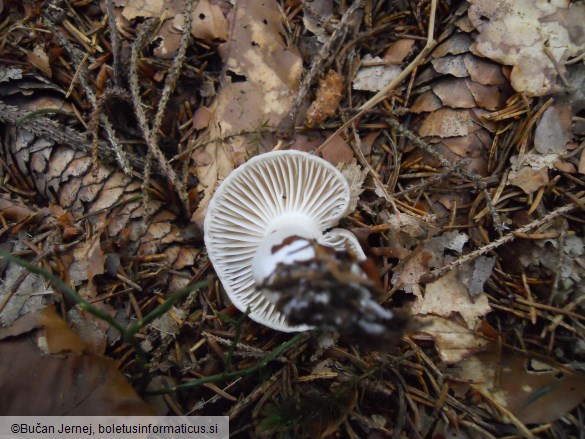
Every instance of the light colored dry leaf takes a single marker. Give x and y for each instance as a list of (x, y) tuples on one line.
[(32, 295), (271, 72), (516, 33), (374, 78), (530, 172), (398, 50), (39, 58), (428, 255), (329, 95), (453, 341), (8, 74), (402, 222), (553, 130), (582, 163), (456, 44), (451, 65), (168, 323), (355, 177), (448, 295), (207, 21)]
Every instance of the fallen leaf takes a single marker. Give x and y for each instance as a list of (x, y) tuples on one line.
[(448, 295), (534, 391), (39, 58), (207, 21), (46, 371), (266, 73), (553, 130), (337, 151), (454, 342)]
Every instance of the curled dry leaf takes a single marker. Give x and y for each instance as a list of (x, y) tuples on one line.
[(329, 96), (526, 34), (46, 371), (269, 72)]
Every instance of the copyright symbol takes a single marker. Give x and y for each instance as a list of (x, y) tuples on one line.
[(14, 428)]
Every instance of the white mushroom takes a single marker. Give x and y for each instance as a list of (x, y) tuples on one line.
[(263, 204)]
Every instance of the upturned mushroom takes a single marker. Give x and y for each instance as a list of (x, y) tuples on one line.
[(262, 215)]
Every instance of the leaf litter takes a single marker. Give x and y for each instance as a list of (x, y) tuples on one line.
[(467, 199)]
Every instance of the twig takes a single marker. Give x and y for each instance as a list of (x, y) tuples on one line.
[(45, 127), (74, 53), (114, 39), (435, 274), (149, 136), (330, 48), (170, 83)]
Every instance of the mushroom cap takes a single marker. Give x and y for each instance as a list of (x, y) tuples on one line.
[(271, 191)]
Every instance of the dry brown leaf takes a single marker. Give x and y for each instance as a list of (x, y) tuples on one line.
[(39, 58), (397, 51), (45, 371), (201, 118), (447, 122), (454, 93), (527, 178), (426, 102), (329, 96), (337, 151), (428, 255), (517, 33), (534, 391), (451, 65), (271, 72), (530, 171), (582, 163)]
